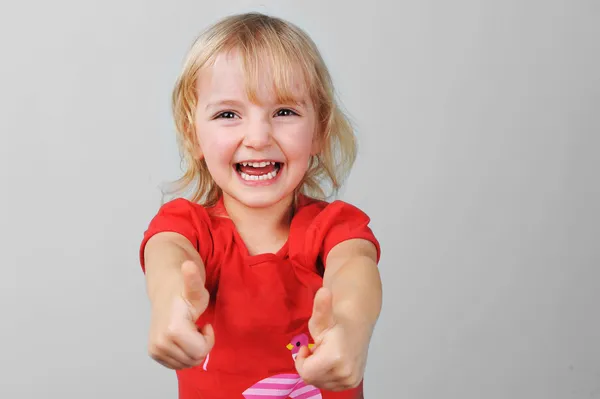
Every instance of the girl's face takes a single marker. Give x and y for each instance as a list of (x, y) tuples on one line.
[(256, 153)]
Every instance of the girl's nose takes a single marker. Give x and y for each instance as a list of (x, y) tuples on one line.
[(258, 135)]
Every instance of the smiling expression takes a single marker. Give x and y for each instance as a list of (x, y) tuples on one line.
[(256, 151)]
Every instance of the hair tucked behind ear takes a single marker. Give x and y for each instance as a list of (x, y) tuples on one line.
[(264, 42)]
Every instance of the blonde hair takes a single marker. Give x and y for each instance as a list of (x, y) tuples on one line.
[(264, 40)]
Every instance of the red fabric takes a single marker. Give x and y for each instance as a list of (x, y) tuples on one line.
[(260, 303)]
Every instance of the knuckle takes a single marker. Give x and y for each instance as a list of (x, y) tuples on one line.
[(157, 347), (153, 350), (340, 362), (155, 355), (198, 358), (352, 379), (346, 371), (171, 332)]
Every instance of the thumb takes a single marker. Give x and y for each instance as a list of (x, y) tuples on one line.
[(322, 317), (194, 292)]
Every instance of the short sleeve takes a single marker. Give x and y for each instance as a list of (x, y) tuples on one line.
[(340, 221), (183, 217)]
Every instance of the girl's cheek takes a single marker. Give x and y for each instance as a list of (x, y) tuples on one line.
[(225, 148), (299, 145)]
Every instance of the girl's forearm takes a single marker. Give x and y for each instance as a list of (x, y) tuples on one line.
[(163, 256), (356, 291)]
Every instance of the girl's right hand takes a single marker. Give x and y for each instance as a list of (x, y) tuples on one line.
[(175, 341)]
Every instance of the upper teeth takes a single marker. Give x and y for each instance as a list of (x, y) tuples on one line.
[(258, 164)]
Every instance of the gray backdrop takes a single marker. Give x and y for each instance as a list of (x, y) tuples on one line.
[(479, 131)]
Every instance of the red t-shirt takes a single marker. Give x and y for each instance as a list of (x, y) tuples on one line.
[(260, 305)]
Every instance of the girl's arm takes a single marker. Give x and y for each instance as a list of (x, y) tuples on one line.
[(163, 256), (344, 314), (352, 277), (175, 278)]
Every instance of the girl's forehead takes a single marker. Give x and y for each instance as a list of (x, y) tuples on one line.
[(227, 77)]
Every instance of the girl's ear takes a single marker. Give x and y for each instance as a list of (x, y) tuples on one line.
[(198, 154), (315, 148)]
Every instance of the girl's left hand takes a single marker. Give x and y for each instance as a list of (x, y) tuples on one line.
[(337, 360)]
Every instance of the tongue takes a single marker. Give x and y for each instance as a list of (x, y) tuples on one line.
[(251, 170)]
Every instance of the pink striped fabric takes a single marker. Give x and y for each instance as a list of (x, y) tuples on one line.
[(282, 386)]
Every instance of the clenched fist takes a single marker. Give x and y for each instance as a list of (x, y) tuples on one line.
[(338, 359), (175, 341)]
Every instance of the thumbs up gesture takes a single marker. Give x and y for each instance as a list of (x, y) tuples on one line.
[(175, 341), (337, 360)]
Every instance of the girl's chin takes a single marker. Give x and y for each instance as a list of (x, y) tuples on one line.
[(260, 200)]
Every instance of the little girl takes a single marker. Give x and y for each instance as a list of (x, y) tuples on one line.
[(259, 288)]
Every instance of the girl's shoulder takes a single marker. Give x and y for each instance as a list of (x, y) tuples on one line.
[(191, 220), (319, 225), (320, 211)]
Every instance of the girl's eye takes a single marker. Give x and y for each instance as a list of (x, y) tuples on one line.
[(285, 112), (226, 115)]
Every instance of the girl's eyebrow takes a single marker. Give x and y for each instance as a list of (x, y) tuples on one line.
[(300, 102), (236, 103), (294, 102), (219, 103)]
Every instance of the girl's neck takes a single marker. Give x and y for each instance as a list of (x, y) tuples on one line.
[(262, 229)]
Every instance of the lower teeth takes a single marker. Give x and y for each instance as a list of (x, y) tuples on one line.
[(268, 176)]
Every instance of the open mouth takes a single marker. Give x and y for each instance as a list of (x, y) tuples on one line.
[(258, 171)]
